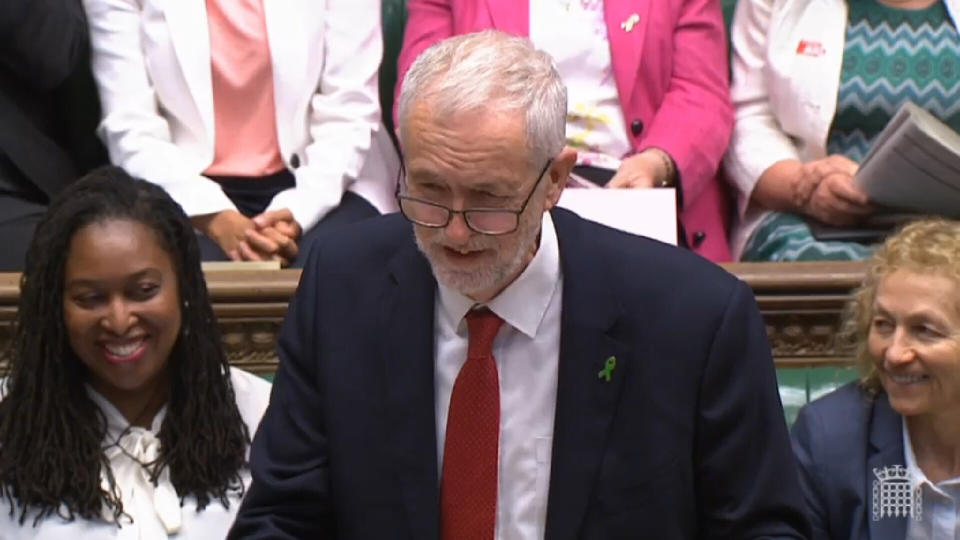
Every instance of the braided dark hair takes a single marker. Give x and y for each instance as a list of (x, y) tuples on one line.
[(51, 432)]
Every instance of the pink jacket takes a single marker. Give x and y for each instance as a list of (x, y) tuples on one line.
[(672, 65)]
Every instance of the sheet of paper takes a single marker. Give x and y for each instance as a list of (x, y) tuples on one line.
[(914, 165), (645, 212), (577, 181), (223, 266)]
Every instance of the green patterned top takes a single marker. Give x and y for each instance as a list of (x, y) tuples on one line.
[(891, 56)]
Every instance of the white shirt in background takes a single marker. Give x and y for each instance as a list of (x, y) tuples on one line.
[(575, 34), (940, 507)]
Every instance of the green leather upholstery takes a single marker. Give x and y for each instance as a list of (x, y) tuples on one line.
[(728, 7), (798, 386), (393, 20)]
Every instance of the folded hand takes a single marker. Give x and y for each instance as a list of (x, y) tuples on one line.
[(273, 237), (835, 200)]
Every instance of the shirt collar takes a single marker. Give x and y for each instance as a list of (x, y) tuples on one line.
[(117, 424), (524, 302), (917, 476)]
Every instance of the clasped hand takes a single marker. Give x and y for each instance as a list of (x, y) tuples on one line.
[(269, 236), (832, 197)]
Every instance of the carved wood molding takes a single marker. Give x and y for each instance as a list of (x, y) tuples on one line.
[(801, 305)]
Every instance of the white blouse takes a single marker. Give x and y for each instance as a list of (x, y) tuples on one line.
[(155, 510), (574, 32), (938, 513)]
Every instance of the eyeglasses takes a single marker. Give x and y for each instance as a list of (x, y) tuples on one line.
[(489, 221)]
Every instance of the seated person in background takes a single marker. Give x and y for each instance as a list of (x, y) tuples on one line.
[(48, 114), (258, 122), (121, 417), (494, 367), (649, 97), (905, 410), (813, 84)]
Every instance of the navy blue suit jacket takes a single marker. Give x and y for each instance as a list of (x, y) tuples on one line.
[(687, 439), (48, 102), (839, 440)]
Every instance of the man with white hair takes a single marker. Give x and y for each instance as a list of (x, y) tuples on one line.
[(488, 366)]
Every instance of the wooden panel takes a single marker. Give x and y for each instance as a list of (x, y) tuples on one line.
[(801, 304)]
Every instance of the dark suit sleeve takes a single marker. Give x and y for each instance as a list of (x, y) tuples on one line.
[(804, 438), (746, 474), (290, 496), (42, 40)]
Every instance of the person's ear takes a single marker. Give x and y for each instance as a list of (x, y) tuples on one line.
[(558, 174)]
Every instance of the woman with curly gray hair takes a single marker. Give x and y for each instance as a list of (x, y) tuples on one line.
[(880, 457)]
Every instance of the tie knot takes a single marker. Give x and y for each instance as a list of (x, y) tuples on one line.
[(482, 327)]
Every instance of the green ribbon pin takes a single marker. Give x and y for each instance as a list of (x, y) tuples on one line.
[(608, 368)]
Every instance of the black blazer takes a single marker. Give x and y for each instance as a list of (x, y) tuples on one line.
[(839, 440), (48, 103), (688, 440)]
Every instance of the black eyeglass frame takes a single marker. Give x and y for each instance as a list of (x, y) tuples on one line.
[(470, 211)]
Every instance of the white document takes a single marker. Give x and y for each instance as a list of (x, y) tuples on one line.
[(914, 165), (227, 266), (645, 212)]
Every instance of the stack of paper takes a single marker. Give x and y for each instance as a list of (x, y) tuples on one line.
[(914, 165)]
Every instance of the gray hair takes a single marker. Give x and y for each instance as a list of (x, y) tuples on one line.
[(492, 69)]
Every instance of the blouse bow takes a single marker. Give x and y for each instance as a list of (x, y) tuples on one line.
[(130, 459)]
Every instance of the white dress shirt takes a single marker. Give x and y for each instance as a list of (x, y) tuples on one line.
[(526, 350), (574, 32), (940, 508), (155, 510)]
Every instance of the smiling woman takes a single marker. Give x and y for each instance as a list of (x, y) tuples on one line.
[(900, 424), (121, 310), (914, 342), (121, 417)]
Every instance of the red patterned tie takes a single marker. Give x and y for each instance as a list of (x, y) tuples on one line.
[(468, 490)]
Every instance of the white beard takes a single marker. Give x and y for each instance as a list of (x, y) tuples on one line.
[(487, 275)]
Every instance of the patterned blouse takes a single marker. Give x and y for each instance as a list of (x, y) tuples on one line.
[(892, 56)]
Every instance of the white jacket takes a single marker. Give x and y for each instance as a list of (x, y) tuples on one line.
[(151, 59), (787, 57)]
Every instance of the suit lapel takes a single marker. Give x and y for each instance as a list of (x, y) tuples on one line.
[(626, 28), (586, 399), (886, 446), (288, 25), (407, 321), (510, 16), (190, 35)]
